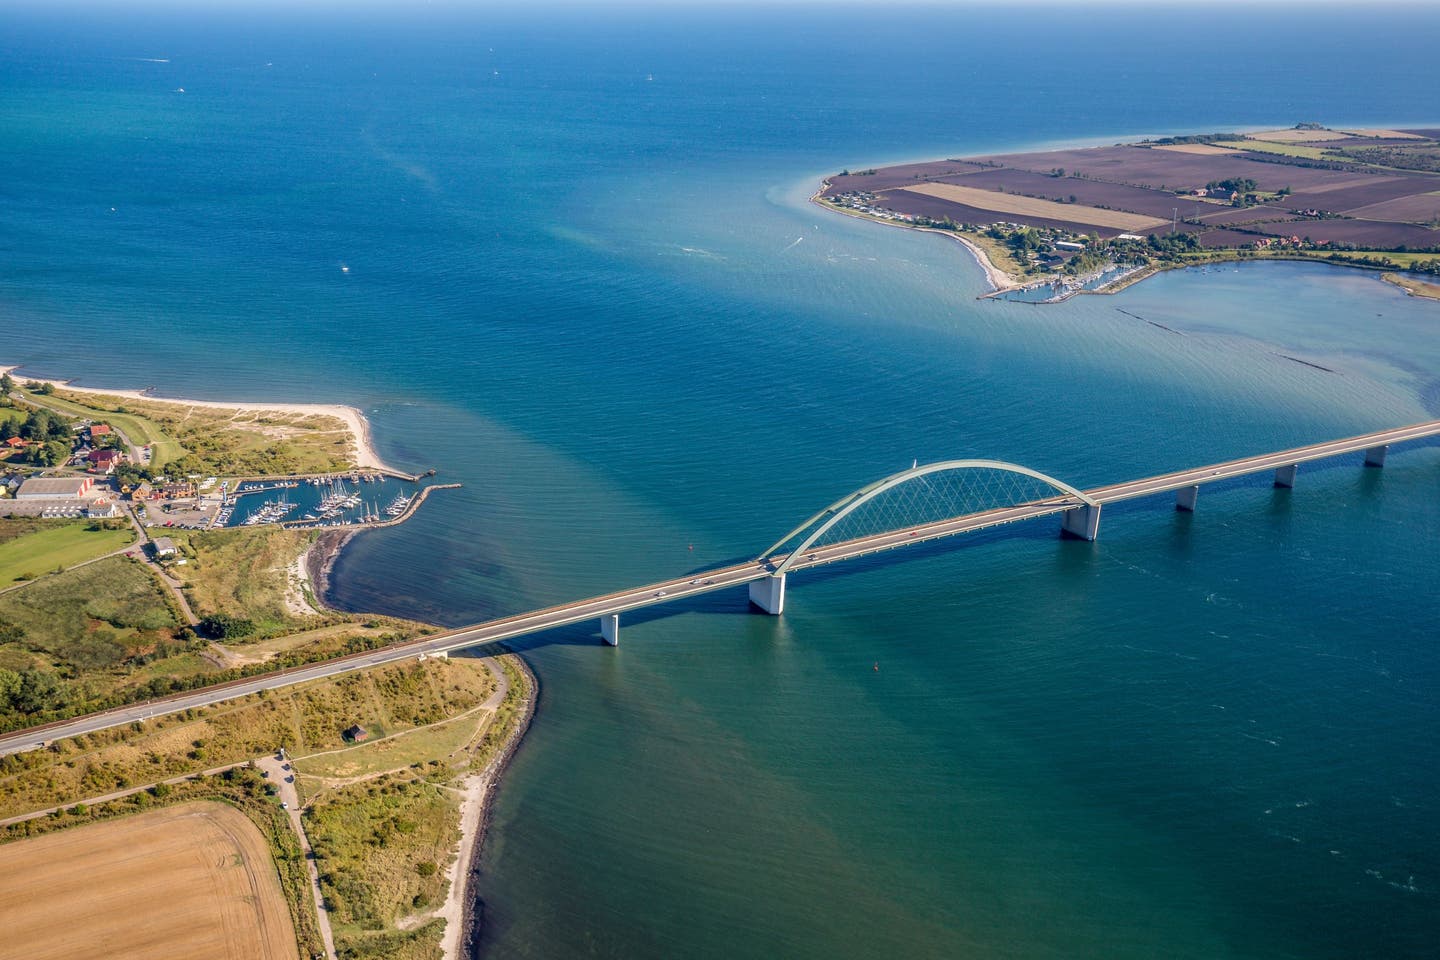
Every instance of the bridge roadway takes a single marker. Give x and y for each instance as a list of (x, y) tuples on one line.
[(720, 578)]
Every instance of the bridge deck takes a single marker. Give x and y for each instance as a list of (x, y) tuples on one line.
[(667, 591)]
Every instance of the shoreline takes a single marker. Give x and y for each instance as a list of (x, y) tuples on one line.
[(477, 808), (1001, 282), (354, 419)]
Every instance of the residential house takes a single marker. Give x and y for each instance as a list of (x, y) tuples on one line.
[(105, 461)]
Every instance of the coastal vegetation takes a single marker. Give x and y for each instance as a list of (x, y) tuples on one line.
[(248, 574), (111, 632), (381, 845), (215, 441), (304, 719)]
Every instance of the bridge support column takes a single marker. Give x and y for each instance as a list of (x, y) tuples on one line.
[(610, 629), (1375, 456), (1082, 523), (1285, 476), (768, 593), (1185, 498)]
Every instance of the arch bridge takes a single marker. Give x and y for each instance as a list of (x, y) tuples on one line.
[(913, 506)]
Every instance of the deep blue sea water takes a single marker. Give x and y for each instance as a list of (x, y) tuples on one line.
[(584, 280)]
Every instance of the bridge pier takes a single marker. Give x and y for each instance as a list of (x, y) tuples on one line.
[(768, 593), (610, 629), (1285, 476), (1375, 456), (1082, 523), (1185, 498)]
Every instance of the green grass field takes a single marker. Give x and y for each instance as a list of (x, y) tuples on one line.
[(437, 742), (64, 544), (1284, 149)]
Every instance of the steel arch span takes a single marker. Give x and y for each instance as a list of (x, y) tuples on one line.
[(924, 494)]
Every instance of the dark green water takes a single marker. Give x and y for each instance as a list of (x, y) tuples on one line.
[(602, 303)]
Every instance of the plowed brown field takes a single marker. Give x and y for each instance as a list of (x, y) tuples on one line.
[(192, 881)]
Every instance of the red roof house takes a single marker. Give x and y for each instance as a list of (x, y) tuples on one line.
[(104, 461)]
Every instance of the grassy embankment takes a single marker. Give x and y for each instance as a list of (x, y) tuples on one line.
[(29, 548), (1412, 286), (383, 819), (108, 633)]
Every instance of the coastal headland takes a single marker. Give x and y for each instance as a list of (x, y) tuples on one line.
[(1094, 219)]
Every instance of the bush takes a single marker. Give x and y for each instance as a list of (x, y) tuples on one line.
[(222, 626)]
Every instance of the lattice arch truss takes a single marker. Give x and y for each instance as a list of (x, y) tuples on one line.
[(920, 495)]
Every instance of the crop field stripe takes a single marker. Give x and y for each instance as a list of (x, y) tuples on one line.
[(1028, 206), (206, 887), (1199, 149)]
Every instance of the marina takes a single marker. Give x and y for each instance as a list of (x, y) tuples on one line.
[(333, 501)]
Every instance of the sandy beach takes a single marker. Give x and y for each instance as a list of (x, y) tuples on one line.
[(462, 919), (354, 420)]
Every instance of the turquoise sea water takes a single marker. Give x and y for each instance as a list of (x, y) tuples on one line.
[(584, 281)]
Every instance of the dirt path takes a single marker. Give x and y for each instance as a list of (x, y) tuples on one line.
[(281, 774)]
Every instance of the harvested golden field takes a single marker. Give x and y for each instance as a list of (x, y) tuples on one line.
[(1386, 134), (1295, 136), (190, 881), (1203, 149), (1031, 207)]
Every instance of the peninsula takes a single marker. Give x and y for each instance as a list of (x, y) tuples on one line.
[(1095, 219)]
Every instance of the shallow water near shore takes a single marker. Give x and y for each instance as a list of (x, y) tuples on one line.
[(603, 303)]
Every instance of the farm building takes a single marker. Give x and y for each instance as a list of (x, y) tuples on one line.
[(357, 734), (163, 547), (54, 488)]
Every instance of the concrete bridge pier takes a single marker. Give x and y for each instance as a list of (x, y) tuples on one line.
[(1185, 498), (1375, 456), (610, 629), (1082, 523), (1285, 476), (768, 593)]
